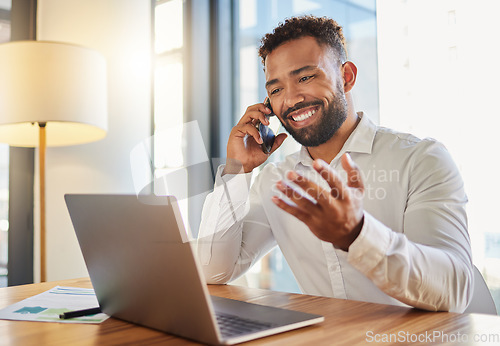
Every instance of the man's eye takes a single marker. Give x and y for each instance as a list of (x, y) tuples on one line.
[(274, 91), (305, 78)]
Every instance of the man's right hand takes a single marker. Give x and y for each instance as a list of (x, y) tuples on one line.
[(244, 152)]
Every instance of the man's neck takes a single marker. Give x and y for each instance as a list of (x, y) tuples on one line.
[(329, 150)]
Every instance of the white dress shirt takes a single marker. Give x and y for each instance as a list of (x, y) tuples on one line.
[(413, 249)]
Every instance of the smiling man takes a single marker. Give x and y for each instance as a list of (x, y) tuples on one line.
[(360, 212)]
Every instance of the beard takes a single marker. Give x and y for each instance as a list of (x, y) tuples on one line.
[(325, 128)]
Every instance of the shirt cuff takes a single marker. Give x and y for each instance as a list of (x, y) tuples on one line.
[(371, 245)]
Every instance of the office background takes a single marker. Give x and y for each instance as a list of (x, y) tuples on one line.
[(425, 66)]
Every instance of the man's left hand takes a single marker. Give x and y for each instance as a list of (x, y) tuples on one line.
[(336, 214)]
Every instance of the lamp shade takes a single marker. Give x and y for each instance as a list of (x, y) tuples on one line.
[(59, 84)]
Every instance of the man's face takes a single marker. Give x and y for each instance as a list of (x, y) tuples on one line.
[(305, 86)]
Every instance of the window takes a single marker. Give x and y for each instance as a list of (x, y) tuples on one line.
[(182, 105), (4, 162), (430, 86), (256, 18), (168, 99)]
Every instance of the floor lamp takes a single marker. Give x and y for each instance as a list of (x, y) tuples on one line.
[(51, 94)]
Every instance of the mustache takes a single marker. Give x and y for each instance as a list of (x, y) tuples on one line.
[(300, 106)]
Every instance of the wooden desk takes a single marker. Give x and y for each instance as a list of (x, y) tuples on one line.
[(346, 322)]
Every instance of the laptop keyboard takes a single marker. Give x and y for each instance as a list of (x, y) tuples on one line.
[(231, 325)]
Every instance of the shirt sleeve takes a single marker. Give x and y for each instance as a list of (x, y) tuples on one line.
[(429, 264), (234, 231)]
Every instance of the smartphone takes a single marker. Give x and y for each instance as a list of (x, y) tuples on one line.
[(266, 133)]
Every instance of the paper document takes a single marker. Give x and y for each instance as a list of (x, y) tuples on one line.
[(47, 306)]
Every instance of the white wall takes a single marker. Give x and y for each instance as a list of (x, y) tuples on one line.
[(120, 30)]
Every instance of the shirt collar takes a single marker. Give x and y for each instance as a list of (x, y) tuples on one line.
[(360, 141)]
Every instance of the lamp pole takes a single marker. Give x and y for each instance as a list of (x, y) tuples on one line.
[(41, 158)]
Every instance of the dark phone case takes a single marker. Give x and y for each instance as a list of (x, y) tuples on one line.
[(266, 133)]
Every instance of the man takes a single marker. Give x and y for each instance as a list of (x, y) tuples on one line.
[(360, 212)]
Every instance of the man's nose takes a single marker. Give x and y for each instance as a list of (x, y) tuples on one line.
[(293, 95)]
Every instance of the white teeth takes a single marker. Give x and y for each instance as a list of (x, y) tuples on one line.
[(303, 116)]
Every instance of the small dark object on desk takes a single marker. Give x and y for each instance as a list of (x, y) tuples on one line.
[(79, 313)]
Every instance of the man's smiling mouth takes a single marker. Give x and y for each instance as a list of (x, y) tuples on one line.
[(303, 116)]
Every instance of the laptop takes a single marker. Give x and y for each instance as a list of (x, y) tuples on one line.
[(144, 270)]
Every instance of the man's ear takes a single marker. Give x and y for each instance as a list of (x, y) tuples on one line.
[(349, 74)]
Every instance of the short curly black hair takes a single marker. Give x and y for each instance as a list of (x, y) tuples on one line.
[(325, 30)]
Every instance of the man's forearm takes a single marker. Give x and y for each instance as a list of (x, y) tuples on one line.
[(225, 215), (422, 276)]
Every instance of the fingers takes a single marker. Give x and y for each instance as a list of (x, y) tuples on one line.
[(302, 197), (310, 202), (303, 204), (332, 178), (300, 214), (248, 129), (246, 125), (307, 196), (354, 178), (255, 113)]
